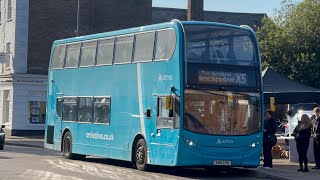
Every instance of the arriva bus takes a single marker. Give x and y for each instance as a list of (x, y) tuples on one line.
[(171, 94)]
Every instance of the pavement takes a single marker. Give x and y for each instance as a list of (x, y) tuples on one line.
[(282, 168)]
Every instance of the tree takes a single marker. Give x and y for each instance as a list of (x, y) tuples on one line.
[(290, 41)]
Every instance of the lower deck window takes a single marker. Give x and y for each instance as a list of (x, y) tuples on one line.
[(102, 110), (69, 109)]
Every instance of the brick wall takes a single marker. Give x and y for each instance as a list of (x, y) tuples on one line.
[(56, 19)]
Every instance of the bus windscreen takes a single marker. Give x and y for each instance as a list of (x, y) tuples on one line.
[(220, 45)]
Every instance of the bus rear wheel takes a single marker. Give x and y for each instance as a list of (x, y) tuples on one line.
[(67, 146), (140, 158)]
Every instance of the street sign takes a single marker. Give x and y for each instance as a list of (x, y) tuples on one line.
[(3, 57)]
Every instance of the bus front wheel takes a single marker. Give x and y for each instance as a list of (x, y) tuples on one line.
[(67, 146), (141, 155)]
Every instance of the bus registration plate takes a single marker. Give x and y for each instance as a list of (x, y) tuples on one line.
[(221, 163)]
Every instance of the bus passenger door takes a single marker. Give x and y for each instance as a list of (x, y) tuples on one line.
[(58, 120), (164, 131)]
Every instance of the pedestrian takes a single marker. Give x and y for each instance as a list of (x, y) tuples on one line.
[(302, 134), (316, 137), (269, 138)]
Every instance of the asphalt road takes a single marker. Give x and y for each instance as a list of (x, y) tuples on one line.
[(26, 163)]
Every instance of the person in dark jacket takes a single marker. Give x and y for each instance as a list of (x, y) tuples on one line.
[(270, 128), (302, 134), (316, 137)]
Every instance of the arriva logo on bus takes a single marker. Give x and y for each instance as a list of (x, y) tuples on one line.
[(165, 77), (224, 141)]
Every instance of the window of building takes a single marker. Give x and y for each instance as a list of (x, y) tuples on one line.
[(69, 112), (88, 53), (37, 112), (105, 51), (102, 110), (0, 11), (9, 10), (166, 43), (8, 49), (85, 109), (72, 55), (144, 47), (58, 57), (123, 52)]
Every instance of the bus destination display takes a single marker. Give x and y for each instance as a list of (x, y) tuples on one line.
[(222, 78)]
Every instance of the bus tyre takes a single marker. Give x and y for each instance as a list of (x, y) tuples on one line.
[(67, 146), (140, 158)]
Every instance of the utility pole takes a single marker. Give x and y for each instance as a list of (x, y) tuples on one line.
[(195, 10), (78, 13)]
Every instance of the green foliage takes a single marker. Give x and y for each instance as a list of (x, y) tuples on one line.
[(290, 41)]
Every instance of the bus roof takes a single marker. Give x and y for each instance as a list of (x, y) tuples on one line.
[(142, 28)]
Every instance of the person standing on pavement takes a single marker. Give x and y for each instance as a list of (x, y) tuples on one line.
[(302, 134), (316, 137), (269, 138)]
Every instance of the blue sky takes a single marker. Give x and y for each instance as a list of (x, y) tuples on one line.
[(249, 6)]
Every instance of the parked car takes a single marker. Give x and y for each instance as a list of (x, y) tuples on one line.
[(2, 137), (295, 113)]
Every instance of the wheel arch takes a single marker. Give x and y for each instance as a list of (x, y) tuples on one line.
[(62, 137), (134, 144)]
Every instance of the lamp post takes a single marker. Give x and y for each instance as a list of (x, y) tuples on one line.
[(78, 13)]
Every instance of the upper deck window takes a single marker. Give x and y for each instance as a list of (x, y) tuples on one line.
[(123, 52), (105, 51), (58, 57), (166, 43), (144, 47), (88, 53), (72, 56), (220, 45)]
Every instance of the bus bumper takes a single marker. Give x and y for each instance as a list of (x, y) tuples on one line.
[(218, 156)]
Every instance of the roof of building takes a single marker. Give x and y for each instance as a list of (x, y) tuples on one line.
[(254, 20)]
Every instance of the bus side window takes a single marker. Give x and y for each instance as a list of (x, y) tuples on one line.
[(165, 117), (69, 109), (59, 107), (102, 110)]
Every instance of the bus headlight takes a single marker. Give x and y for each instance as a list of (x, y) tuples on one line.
[(254, 144), (190, 143)]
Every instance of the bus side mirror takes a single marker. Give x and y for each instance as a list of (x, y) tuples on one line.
[(272, 104), (168, 103)]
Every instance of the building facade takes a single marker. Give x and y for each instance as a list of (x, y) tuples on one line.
[(29, 27)]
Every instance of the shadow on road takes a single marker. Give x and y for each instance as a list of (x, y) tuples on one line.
[(184, 172)]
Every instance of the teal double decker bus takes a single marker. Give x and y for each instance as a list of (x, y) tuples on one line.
[(171, 94)]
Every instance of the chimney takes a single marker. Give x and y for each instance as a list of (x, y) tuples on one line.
[(195, 10)]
